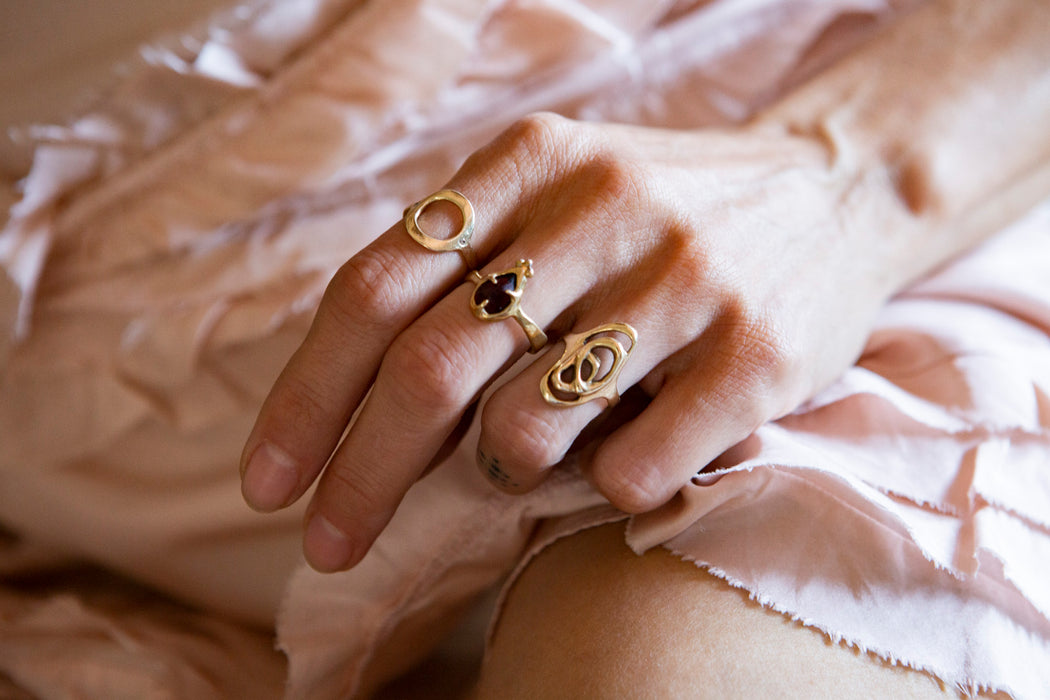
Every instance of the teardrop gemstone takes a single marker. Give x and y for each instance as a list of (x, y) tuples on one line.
[(495, 296)]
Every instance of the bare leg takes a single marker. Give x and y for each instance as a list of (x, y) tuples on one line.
[(590, 619)]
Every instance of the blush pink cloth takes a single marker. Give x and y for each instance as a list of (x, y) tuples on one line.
[(169, 247)]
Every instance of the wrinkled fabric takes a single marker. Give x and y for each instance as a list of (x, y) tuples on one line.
[(168, 248), (123, 642)]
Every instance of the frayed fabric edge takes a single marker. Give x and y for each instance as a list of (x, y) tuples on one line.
[(967, 687), (605, 515)]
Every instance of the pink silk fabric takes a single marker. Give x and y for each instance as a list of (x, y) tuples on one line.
[(166, 250)]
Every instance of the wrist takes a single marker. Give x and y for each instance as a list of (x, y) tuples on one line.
[(942, 118)]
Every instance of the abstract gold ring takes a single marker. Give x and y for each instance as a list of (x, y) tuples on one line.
[(590, 366), (459, 243), (498, 296)]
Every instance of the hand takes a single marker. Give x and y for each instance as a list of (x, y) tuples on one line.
[(750, 267)]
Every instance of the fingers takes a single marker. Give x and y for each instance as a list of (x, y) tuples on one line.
[(431, 373), (420, 391), (523, 433), (368, 302), (437, 367), (397, 325), (375, 296), (708, 394), (713, 394)]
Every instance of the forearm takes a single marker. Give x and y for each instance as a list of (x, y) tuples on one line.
[(949, 109)]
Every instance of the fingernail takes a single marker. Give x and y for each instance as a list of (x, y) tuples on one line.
[(325, 546), (269, 479)]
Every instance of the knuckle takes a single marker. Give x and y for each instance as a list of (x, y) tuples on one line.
[(612, 189), (526, 439), (761, 363), (539, 132), (630, 485), (682, 258), (355, 496), (534, 146), (691, 263), (367, 289), (526, 158), (763, 351), (430, 368), (619, 180), (303, 404)]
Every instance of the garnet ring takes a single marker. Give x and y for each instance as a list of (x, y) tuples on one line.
[(460, 242), (498, 296)]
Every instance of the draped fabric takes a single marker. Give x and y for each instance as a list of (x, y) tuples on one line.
[(164, 254)]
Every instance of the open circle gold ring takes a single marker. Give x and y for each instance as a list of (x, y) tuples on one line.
[(590, 366), (460, 242), (498, 296)]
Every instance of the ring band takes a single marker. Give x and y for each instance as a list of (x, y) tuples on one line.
[(498, 296), (460, 242), (581, 374)]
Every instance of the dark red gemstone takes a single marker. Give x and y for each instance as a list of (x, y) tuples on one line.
[(495, 296)]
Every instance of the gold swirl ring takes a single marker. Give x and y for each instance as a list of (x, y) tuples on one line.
[(582, 375)]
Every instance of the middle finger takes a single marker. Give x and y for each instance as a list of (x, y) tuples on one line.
[(434, 370)]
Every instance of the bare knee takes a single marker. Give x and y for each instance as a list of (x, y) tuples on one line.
[(589, 618)]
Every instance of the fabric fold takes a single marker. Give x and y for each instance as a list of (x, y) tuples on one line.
[(168, 249)]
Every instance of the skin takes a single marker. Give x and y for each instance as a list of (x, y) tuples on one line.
[(651, 627), (724, 345), (751, 261)]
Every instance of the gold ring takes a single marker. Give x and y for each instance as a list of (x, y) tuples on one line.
[(498, 296), (459, 243), (589, 367)]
